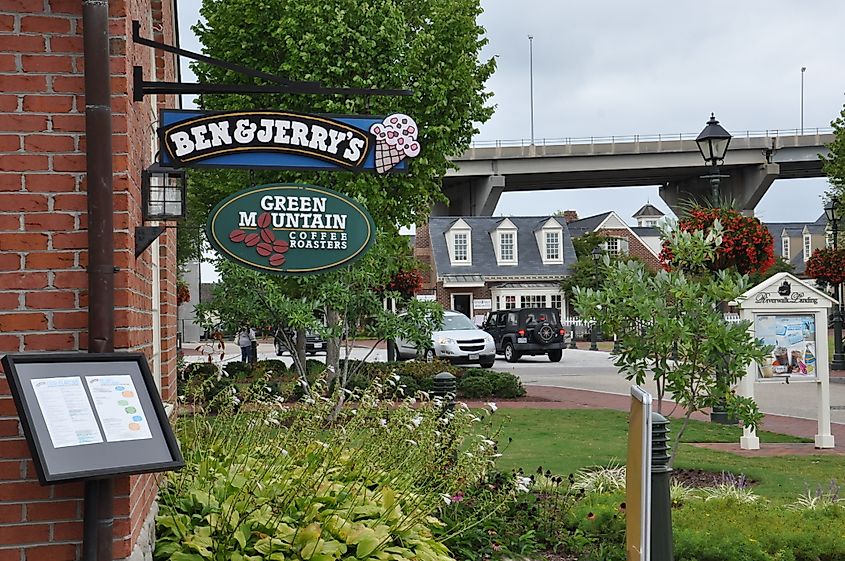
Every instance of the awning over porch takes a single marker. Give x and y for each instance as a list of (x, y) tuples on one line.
[(454, 281)]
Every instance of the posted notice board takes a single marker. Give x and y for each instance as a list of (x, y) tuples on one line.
[(89, 416)]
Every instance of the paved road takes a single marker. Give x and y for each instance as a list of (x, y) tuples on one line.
[(593, 370)]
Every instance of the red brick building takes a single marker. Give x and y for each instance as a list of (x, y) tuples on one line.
[(44, 245), (620, 238)]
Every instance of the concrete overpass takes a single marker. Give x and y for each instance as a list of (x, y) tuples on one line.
[(754, 160)]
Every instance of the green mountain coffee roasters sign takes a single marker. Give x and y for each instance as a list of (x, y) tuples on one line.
[(290, 229)]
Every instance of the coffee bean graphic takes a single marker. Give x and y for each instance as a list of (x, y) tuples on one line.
[(277, 259), (252, 239), (280, 246), (267, 235), (264, 249), (237, 236), (264, 219)]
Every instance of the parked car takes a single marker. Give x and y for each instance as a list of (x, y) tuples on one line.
[(527, 331), (458, 340), (313, 343)]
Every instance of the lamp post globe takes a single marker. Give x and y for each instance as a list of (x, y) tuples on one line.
[(713, 144), (838, 360)]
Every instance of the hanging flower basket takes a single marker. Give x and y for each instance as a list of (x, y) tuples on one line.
[(747, 245), (827, 266)]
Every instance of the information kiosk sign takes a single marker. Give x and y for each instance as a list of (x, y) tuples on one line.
[(87, 416)]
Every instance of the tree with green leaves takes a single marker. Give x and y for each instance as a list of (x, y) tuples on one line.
[(431, 47), (834, 163), (672, 329)]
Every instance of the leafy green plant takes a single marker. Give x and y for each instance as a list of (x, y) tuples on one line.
[(671, 329), (729, 530), (732, 488), (279, 483), (820, 498), (601, 479)]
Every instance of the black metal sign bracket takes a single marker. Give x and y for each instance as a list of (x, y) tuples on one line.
[(279, 83)]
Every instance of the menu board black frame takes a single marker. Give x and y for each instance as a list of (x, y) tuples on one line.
[(95, 459)]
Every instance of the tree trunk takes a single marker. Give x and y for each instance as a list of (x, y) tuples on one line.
[(300, 349), (332, 346)]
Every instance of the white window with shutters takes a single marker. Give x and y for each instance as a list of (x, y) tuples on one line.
[(784, 247)]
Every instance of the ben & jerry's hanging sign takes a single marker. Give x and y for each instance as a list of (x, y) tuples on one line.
[(290, 229), (287, 140)]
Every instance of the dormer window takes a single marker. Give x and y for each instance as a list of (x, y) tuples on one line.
[(459, 243), (552, 246), (505, 241), (784, 247), (550, 242)]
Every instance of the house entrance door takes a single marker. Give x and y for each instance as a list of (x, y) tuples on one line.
[(461, 303)]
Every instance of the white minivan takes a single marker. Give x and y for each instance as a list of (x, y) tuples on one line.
[(458, 340)]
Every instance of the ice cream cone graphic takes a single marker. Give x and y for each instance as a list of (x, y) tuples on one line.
[(396, 139)]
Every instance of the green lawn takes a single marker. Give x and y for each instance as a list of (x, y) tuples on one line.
[(565, 440)]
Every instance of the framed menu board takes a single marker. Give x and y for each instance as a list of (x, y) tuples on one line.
[(88, 416)]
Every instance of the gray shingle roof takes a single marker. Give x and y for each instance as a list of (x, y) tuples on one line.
[(648, 210), (646, 231), (585, 225), (484, 262)]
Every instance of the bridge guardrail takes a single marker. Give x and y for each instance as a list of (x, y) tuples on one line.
[(525, 142)]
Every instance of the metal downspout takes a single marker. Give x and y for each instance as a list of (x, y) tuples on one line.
[(98, 522)]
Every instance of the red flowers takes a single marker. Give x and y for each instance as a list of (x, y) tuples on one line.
[(183, 293), (406, 283), (746, 243), (827, 265)]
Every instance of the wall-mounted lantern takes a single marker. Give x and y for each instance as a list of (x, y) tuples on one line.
[(163, 198)]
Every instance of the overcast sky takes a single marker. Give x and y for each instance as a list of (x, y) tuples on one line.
[(615, 67)]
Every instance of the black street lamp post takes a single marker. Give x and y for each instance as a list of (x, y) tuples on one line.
[(713, 143), (838, 361), (594, 335)]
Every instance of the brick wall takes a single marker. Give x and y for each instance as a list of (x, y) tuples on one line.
[(422, 251), (635, 246), (43, 242)]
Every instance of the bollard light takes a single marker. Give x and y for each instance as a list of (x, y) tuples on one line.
[(662, 544)]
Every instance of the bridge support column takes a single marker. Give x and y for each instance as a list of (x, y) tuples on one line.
[(745, 186), (474, 197)]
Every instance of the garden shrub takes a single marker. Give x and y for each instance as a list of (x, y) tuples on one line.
[(506, 385), (238, 369), (314, 367), (475, 386)]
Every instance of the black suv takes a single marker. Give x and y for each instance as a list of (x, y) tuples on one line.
[(313, 343), (526, 331)]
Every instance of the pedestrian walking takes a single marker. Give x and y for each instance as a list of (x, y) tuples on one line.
[(245, 339)]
